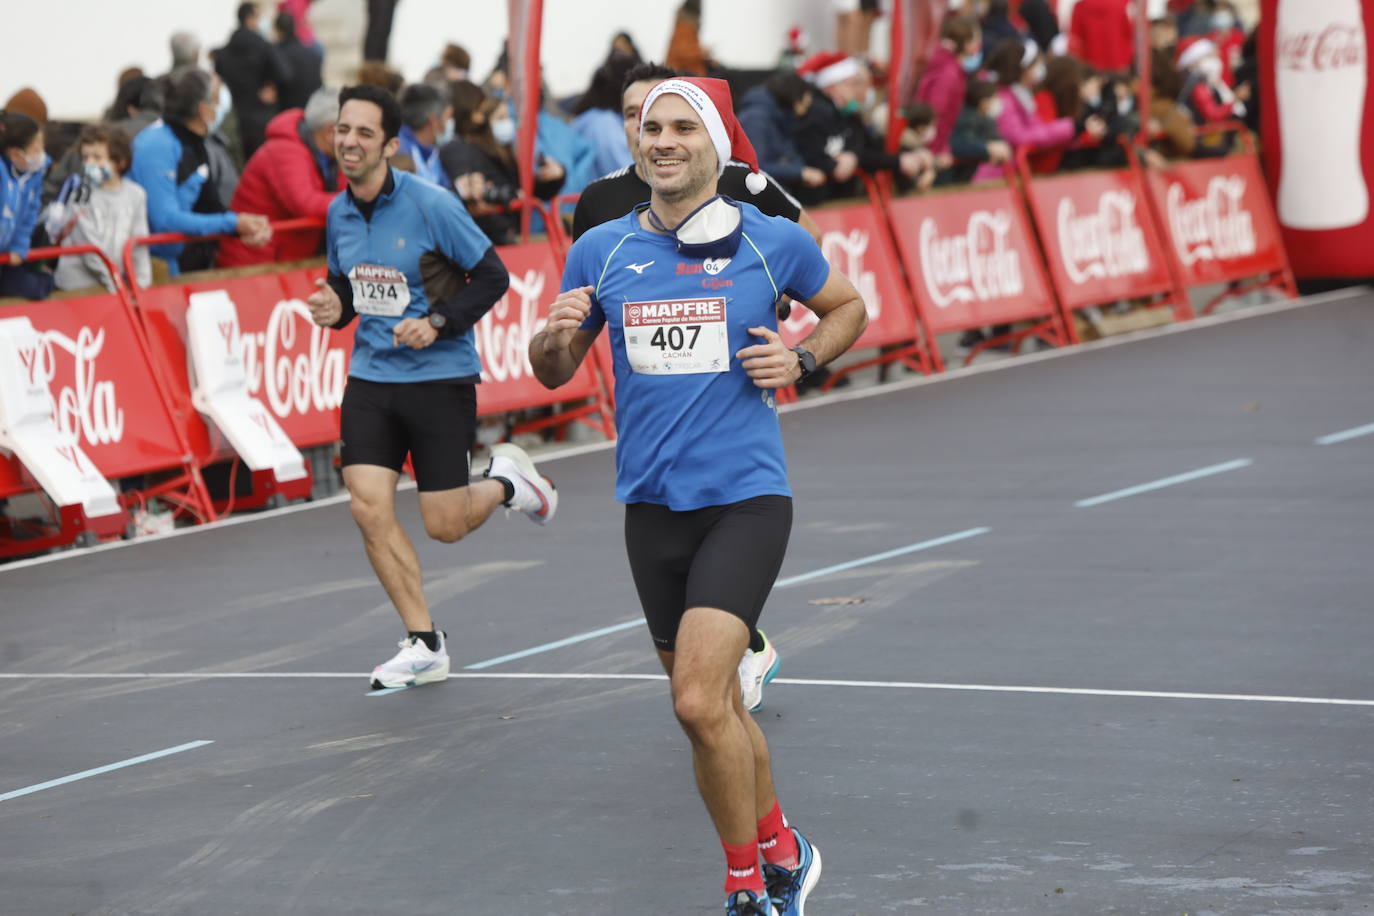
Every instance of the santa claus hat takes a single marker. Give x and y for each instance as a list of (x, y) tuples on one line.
[(1195, 52), (710, 98), (827, 68)]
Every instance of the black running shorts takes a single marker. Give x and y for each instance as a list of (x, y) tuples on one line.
[(435, 422), (724, 557)]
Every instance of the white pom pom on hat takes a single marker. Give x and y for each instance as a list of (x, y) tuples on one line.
[(710, 98)]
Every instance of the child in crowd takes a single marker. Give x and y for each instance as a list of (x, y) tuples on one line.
[(100, 207), (976, 139), (23, 163)]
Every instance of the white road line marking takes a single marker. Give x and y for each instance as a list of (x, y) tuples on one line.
[(1344, 435), (793, 681), (558, 644), (1165, 482), (809, 403), (86, 774)]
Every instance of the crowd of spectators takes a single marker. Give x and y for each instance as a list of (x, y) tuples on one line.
[(229, 142)]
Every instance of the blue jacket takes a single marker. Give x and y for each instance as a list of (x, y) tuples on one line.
[(769, 129), (605, 131), (426, 164), (19, 196), (157, 156), (417, 230)]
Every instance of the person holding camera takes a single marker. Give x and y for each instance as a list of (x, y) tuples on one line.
[(480, 163)]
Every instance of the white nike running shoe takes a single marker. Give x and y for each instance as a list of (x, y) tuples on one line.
[(414, 664), (535, 495), (755, 670)]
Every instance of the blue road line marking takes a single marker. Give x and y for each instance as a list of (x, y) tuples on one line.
[(1345, 434), (879, 557), (582, 637), (1165, 482), (84, 774), (794, 580)]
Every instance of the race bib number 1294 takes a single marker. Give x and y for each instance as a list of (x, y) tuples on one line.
[(676, 337), (379, 290)]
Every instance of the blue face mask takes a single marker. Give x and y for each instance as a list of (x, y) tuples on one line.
[(711, 231), (503, 131), (97, 175), (971, 62), (1223, 21), (226, 102)]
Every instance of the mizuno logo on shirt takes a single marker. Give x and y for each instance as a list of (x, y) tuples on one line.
[(638, 268)]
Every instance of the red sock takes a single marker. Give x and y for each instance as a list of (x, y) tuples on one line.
[(776, 842), (742, 868)]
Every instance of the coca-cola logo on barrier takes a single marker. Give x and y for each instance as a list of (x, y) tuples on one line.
[(845, 250), (503, 335), (1105, 243), (1336, 46), (87, 409), (28, 358), (299, 382), (1214, 227), (977, 264)]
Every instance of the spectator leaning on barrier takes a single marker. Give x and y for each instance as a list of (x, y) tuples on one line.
[(479, 165), (771, 113), (427, 124), (255, 73), (100, 207), (173, 163), (138, 103), (292, 175), (1206, 96), (976, 139), (22, 164), (1019, 71), (1171, 127), (943, 85), (304, 64)]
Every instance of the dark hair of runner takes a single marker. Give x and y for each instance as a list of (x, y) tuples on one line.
[(391, 109), (646, 71)]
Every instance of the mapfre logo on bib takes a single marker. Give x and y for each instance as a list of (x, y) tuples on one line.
[(676, 337)]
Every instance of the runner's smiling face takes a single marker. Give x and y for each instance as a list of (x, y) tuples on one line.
[(359, 141), (678, 156)]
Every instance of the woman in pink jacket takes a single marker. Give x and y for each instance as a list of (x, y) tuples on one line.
[(1020, 71)]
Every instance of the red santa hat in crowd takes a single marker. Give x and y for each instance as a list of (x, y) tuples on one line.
[(710, 99), (826, 68)]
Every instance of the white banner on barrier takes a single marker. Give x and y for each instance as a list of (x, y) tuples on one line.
[(219, 388), (29, 429)]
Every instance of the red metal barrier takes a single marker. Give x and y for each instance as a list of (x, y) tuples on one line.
[(1100, 239), (973, 263), (109, 395), (1221, 223)]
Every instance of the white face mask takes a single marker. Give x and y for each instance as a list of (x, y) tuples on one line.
[(995, 109), (1210, 68), (1037, 72), (32, 166), (503, 131)]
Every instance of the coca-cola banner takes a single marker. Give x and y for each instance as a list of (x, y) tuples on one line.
[(856, 243), (1219, 219), (1317, 120), (102, 390), (504, 333), (1099, 238), (971, 258)]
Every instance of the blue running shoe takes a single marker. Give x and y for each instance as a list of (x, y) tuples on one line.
[(747, 903), (789, 889)]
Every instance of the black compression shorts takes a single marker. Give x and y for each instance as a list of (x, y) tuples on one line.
[(435, 422), (724, 557)]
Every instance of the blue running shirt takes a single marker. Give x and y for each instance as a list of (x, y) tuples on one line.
[(693, 428)]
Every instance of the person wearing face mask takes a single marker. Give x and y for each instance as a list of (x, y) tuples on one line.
[(835, 135), (99, 207), (255, 73), (770, 114), (22, 164), (479, 164), (1102, 33), (1207, 97), (1219, 26), (1071, 89), (1020, 71), (945, 81), (426, 125), (976, 139), (175, 164)]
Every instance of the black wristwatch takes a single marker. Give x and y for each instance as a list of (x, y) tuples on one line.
[(438, 321), (807, 360)]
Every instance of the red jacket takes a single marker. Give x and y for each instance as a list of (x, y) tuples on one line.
[(281, 181), (942, 87), (1101, 33)]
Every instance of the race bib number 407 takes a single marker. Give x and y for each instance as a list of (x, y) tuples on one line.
[(379, 290), (676, 337)]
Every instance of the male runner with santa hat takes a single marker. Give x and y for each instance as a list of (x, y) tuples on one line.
[(687, 285)]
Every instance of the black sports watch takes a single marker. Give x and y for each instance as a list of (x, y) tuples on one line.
[(438, 321), (807, 360)]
